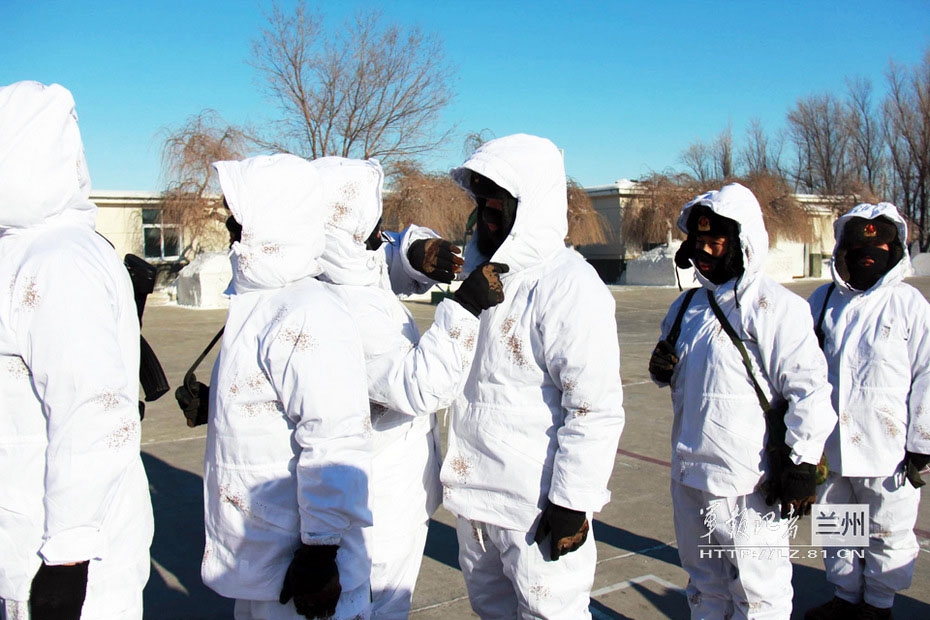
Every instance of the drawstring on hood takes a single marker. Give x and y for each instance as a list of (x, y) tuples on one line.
[(900, 270), (351, 209), (737, 203), (43, 172), (276, 199), (532, 170)]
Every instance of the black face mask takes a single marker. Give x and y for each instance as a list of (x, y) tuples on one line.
[(493, 225), (864, 277), (723, 268), (501, 221), (374, 240), (235, 230)]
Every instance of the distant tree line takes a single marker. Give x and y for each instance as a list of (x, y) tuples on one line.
[(857, 143), (366, 89)]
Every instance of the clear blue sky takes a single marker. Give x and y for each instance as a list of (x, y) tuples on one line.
[(622, 87)]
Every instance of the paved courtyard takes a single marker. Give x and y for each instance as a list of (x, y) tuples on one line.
[(638, 575)]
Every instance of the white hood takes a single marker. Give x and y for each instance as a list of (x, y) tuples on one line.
[(276, 199), (43, 173), (870, 212), (351, 210), (532, 170), (738, 203)]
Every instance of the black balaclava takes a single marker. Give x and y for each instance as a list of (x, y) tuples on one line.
[(374, 240), (861, 237), (703, 221), (234, 227), (492, 226)]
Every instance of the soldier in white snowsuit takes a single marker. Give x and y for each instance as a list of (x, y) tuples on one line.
[(75, 512), (533, 438), (409, 378), (719, 430), (876, 336), (286, 468)]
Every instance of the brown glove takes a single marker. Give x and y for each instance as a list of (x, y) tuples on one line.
[(435, 258), (482, 288)]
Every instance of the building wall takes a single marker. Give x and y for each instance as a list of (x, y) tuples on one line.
[(787, 259), (122, 226)]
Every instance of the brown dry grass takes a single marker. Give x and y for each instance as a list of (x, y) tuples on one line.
[(585, 225), (649, 217), (434, 200), (429, 199)]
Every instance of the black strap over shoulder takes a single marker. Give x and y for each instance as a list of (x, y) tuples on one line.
[(763, 401), (823, 312), (673, 333), (216, 338)]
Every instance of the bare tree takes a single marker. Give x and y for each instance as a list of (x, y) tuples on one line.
[(649, 218), (475, 139), (368, 89), (698, 159), (435, 200), (722, 151), (426, 199), (907, 125), (819, 129), (761, 154), (585, 225), (191, 187), (866, 138)]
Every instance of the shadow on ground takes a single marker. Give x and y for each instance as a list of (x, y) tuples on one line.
[(175, 589)]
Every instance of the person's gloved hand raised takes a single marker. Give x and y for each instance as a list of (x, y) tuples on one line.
[(482, 288), (663, 360), (913, 464), (58, 592), (567, 529), (312, 580), (435, 258), (798, 488), (194, 399)]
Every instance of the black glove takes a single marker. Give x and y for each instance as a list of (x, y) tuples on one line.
[(567, 528), (58, 592), (482, 288), (798, 488), (194, 399), (435, 258), (914, 463), (313, 580), (663, 360)]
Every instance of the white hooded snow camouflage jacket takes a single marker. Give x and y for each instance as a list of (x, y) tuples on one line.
[(719, 432), (542, 410), (288, 442), (409, 377), (878, 351), (72, 486)]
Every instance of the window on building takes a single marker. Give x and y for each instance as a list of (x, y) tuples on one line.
[(161, 238)]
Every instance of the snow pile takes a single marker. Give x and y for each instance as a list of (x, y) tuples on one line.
[(784, 262), (201, 283), (921, 264), (657, 268)]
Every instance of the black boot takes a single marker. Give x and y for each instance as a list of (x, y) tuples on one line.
[(868, 612), (836, 609)]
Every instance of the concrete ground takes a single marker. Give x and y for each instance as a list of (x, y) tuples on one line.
[(638, 575)]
